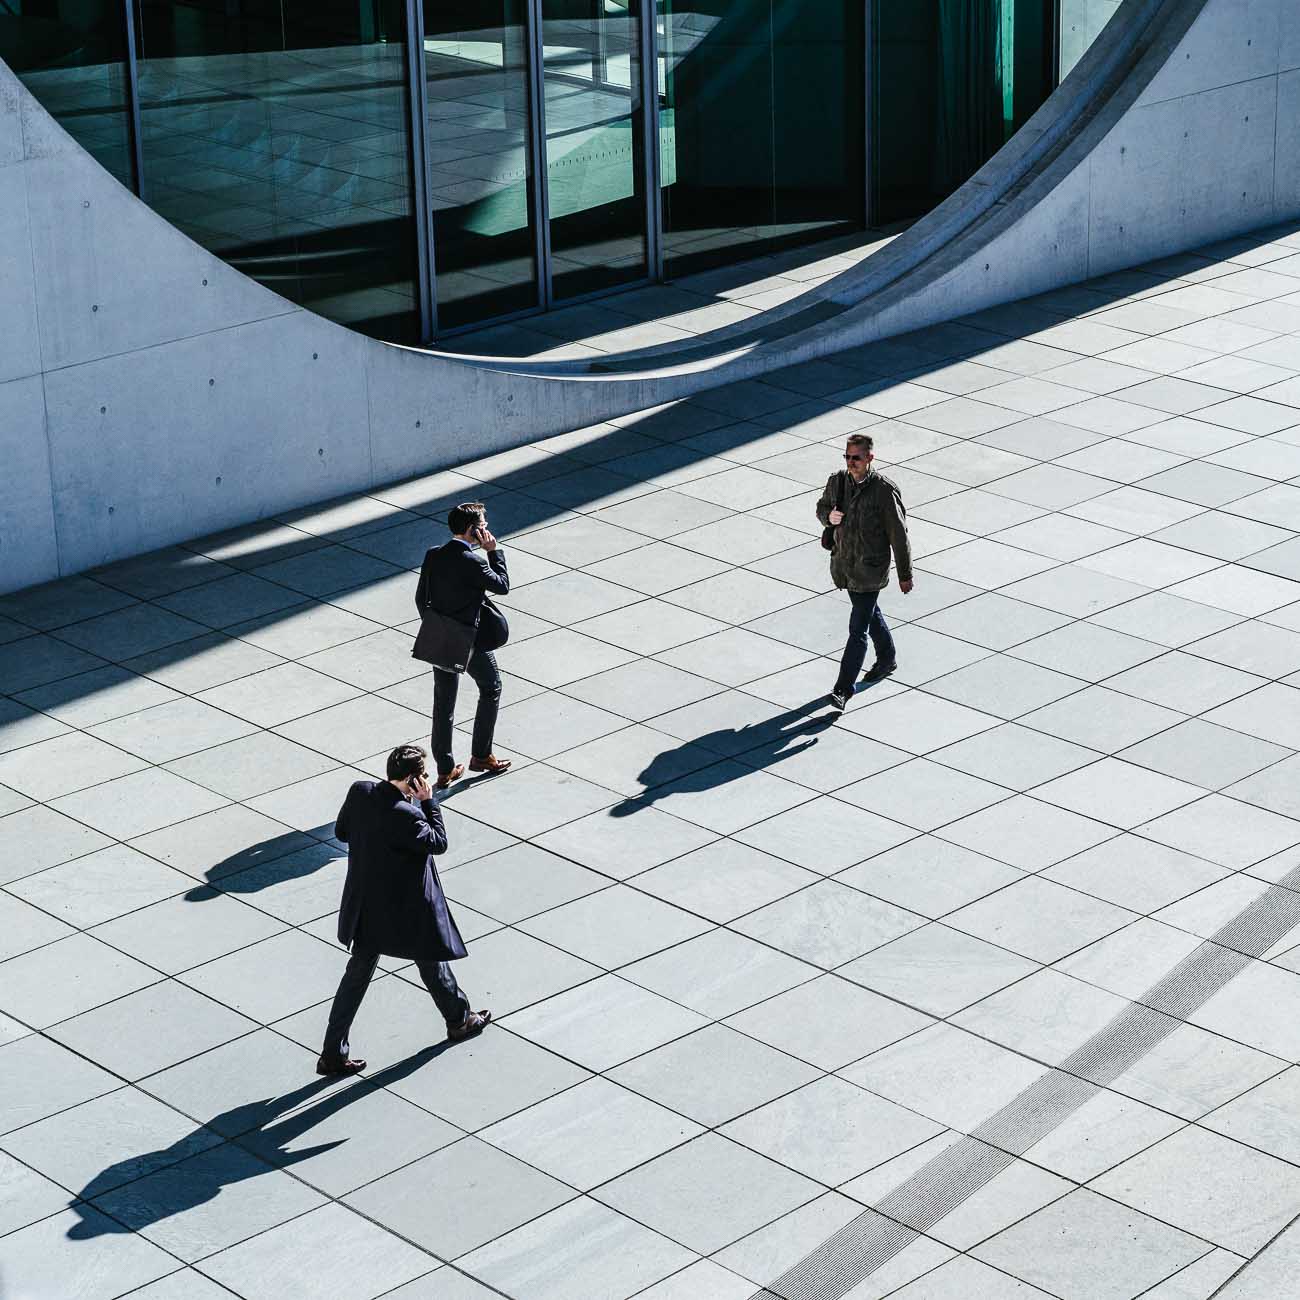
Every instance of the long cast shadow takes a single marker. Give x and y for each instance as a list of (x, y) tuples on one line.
[(267, 863), (238, 1144), (521, 499), (703, 763)]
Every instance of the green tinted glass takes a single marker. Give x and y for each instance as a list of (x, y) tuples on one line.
[(276, 133)]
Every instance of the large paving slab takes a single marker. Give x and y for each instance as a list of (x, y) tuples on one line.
[(987, 988)]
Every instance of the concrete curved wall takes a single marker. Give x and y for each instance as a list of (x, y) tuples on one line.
[(149, 392)]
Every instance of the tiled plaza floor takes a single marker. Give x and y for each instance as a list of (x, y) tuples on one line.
[(756, 969)]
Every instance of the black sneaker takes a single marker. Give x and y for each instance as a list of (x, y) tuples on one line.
[(878, 671), (839, 701)]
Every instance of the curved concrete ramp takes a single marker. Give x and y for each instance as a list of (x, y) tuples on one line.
[(149, 392)]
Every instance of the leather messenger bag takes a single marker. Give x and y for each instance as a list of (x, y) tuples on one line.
[(828, 533), (444, 642)]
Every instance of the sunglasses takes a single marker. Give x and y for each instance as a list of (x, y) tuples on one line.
[(849, 457)]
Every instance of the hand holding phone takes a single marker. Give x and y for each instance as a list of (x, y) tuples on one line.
[(420, 788)]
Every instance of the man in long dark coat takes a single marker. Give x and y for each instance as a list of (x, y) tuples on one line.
[(393, 904)]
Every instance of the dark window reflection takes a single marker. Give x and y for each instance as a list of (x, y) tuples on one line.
[(277, 132), (953, 80), (71, 54), (475, 58), (277, 135), (761, 138), (595, 154)]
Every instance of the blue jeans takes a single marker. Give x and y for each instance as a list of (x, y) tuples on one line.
[(865, 621)]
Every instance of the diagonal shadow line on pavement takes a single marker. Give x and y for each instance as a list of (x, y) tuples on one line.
[(587, 478), (1267, 1272), (917, 1204)]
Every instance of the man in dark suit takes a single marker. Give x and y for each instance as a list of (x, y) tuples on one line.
[(458, 582), (393, 904)]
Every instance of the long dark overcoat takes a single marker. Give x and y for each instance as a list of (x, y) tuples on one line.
[(392, 898)]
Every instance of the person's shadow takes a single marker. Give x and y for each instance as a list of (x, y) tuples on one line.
[(701, 763), (254, 1141), (265, 864)]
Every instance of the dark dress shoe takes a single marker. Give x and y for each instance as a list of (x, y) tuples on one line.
[(474, 1023), (490, 764), (338, 1067), (878, 671), (446, 778)]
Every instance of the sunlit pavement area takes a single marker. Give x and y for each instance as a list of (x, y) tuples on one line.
[(1008, 952)]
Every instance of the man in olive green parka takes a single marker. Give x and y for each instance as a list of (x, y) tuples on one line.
[(867, 512)]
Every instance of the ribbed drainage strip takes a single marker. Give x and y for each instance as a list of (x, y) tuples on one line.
[(917, 1204)]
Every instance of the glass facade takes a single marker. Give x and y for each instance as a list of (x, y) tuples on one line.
[(596, 175), (951, 82), (415, 167), (761, 126), (480, 172), (277, 134), (72, 56)]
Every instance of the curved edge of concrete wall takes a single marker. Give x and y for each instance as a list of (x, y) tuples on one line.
[(1103, 83), (150, 393), (1030, 214)]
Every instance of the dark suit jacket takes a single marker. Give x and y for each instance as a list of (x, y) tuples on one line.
[(456, 580), (392, 898)]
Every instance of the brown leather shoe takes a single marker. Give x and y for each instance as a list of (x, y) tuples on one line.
[(339, 1067), (490, 763), (446, 778), (473, 1024)]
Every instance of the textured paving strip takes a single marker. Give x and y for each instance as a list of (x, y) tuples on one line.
[(916, 1205)]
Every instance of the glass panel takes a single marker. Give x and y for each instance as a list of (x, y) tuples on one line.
[(71, 55), (276, 133), (752, 157), (595, 156), (475, 59), (952, 81)]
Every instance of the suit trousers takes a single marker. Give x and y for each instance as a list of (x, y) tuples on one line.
[(482, 667), (865, 621), (437, 977)]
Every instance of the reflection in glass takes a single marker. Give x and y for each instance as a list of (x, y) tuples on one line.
[(760, 137), (952, 81), (595, 155), (71, 55), (276, 133), (476, 72)]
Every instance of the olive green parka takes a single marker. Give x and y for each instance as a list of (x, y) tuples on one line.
[(875, 523)]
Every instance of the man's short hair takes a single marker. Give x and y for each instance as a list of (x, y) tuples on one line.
[(467, 515), (406, 761), (862, 440)]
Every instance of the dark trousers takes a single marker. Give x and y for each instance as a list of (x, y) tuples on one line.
[(865, 621), (482, 667), (437, 978)]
